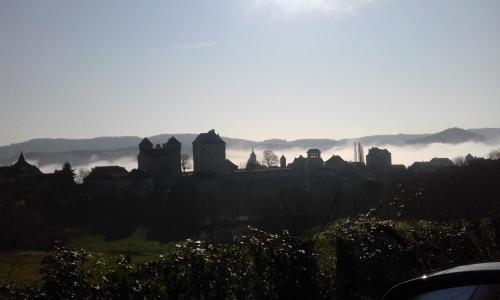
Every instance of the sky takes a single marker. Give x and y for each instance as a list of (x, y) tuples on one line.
[(253, 69)]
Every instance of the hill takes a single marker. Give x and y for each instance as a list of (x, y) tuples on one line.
[(450, 136)]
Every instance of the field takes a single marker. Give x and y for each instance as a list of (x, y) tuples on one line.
[(343, 258), (22, 266)]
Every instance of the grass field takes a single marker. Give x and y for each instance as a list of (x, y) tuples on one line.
[(22, 266)]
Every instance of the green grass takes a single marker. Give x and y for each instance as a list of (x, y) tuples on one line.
[(136, 244), (22, 267)]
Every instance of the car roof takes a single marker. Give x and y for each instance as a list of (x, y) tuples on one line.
[(484, 273), (492, 266)]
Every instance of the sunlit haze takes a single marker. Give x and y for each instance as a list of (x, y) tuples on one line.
[(252, 69)]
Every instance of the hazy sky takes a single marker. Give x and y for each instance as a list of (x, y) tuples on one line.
[(248, 68)]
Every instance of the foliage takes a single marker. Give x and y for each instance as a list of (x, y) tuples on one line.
[(355, 258), (374, 255), (254, 266)]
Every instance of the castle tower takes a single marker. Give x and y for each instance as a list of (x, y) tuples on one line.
[(162, 162), (378, 159), (145, 145), (209, 153), (145, 150), (283, 161), (314, 159), (173, 150), (313, 153)]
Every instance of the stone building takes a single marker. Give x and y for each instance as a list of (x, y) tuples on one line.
[(309, 163), (105, 173), (314, 159), (313, 153), (230, 166), (209, 153), (299, 163), (162, 162), (283, 161), (378, 159), (430, 166), (336, 163)]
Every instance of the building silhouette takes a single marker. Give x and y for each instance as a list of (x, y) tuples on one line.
[(378, 159), (313, 153), (314, 159), (21, 169), (432, 165), (106, 173), (311, 162), (230, 166), (252, 162), (336, 163), (283, 161), (162, 162), (209, 153)]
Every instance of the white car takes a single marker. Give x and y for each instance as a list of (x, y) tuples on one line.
[(469, 282)]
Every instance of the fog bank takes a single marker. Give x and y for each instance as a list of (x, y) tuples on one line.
[(406, 155)]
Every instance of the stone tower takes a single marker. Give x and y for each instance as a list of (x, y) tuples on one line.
[(378, 159), (209, 153), (162, 162), (283, 161), (173, 152)]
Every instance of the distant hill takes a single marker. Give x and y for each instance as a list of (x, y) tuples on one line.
[(450, 136), (49, 151), (492, 134), (392, 139)]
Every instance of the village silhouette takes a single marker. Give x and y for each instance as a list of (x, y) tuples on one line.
[(366, 201), (163, 165)]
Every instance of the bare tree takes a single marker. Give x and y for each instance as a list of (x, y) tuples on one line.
[(185, 162), (270, 159), (495, 154), (82, 173), (459, 160)]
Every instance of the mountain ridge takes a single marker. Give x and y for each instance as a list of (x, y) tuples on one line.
[(452, 135)]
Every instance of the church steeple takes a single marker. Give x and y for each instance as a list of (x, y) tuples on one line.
[(21, 161), (21, 158), (23, 166), (252, 162)]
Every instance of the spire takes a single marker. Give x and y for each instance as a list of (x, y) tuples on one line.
[(21, 158), (21, 161)]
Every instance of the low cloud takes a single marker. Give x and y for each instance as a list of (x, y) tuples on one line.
[(406, 155), (336, 7), (128, 162)]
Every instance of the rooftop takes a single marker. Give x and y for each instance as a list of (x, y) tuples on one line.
[(209, 138)]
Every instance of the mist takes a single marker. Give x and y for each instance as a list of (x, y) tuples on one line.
[(405, 155), (128, 162)]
